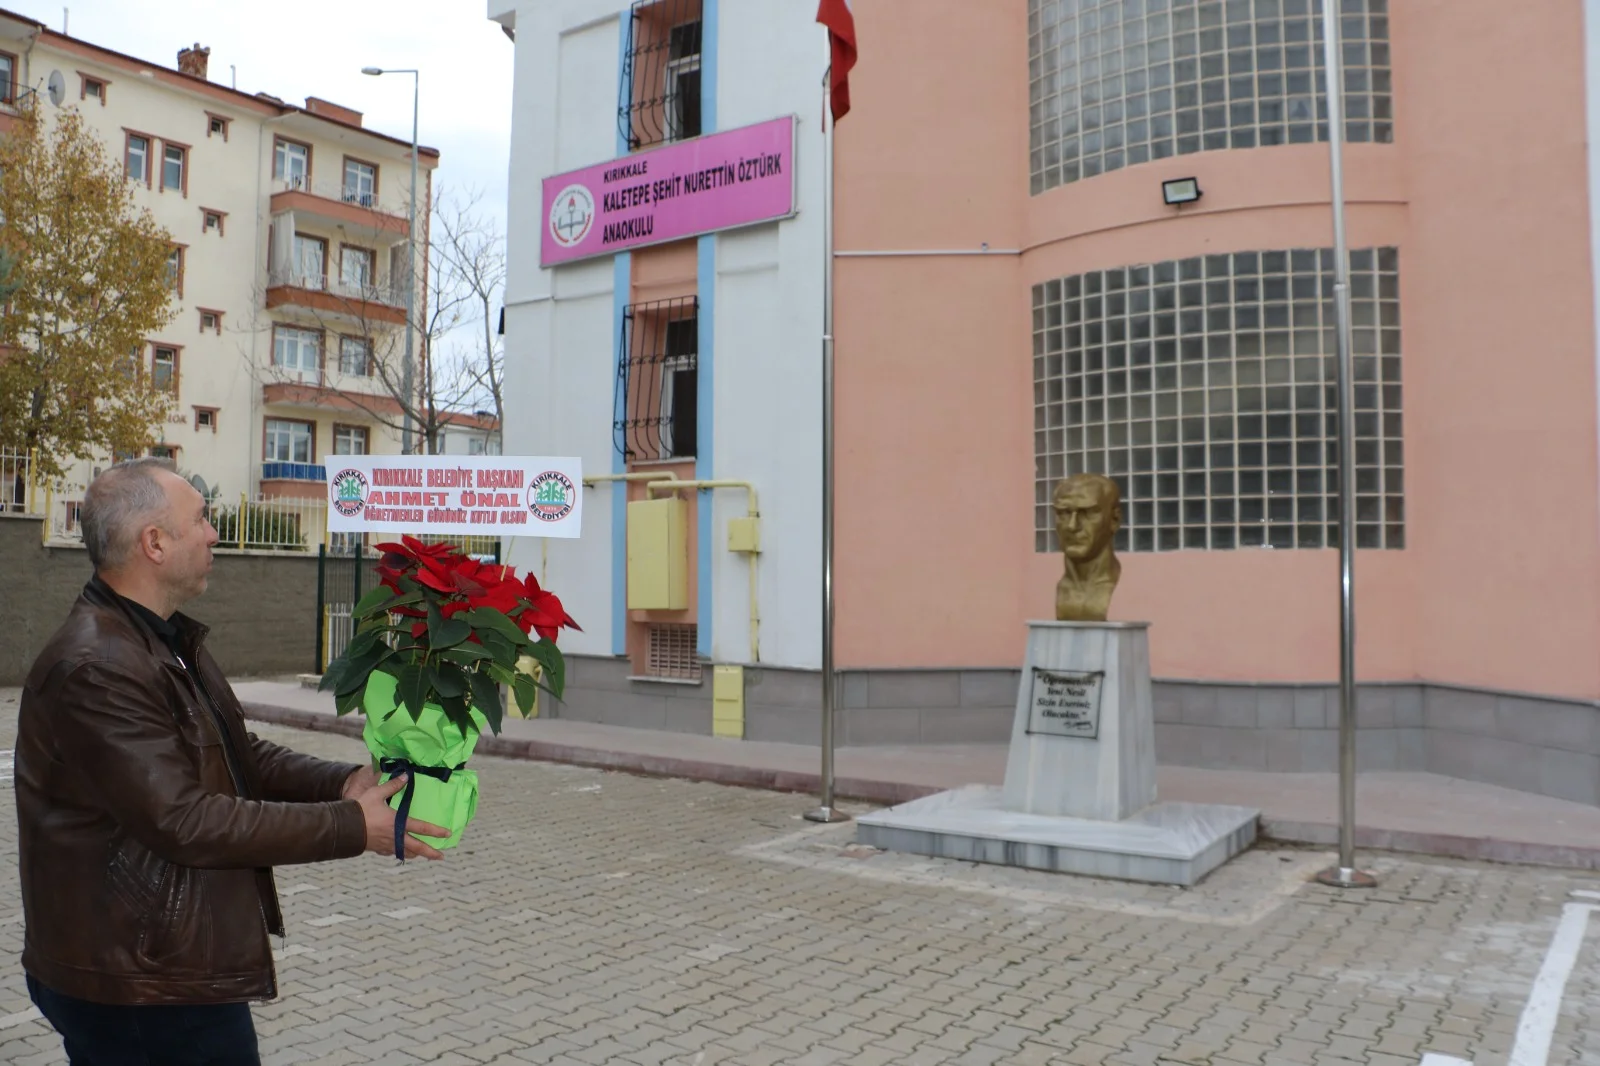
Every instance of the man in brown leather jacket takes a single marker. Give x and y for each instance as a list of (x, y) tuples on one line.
[(150, 819)]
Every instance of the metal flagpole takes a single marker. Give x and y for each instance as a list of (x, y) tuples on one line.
[(1345, 874), (826, 811)]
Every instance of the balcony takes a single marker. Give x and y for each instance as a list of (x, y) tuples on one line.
[(294, 480), (361, 215), (273, 470), (348, 303), (311, 390)]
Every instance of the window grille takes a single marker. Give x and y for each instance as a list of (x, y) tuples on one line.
[(660, 90), (657, 390), (672, 652), (1205, 388)]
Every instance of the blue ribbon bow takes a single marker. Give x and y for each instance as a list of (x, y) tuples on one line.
[(396, 767)]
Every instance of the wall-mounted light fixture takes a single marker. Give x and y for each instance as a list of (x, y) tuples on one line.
[(1180, 191)]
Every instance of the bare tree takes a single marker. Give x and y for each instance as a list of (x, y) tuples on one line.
[(350, 313)]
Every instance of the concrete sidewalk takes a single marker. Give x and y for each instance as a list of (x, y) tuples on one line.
[(1414, 812)]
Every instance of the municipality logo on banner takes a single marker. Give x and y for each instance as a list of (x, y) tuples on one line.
[(494, 496)]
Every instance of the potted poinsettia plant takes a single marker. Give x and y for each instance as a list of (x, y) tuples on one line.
[(434, 642)]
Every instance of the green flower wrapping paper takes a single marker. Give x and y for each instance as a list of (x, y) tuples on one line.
[(431, 740)]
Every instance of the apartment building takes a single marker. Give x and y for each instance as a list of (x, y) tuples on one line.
[(1074, 236), (291, 252)]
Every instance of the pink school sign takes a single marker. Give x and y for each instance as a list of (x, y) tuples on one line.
[(711, 183)]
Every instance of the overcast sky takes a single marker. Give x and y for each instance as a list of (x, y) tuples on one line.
[(299, 48)]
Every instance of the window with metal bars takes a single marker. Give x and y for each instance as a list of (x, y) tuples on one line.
[(661, 73), (658, 380)]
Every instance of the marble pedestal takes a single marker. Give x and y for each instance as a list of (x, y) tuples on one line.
[(1080, 786)]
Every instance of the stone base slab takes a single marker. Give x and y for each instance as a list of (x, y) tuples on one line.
[(1166, 843)]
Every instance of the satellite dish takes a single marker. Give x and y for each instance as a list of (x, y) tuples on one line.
[(58, 87), (199, 484)]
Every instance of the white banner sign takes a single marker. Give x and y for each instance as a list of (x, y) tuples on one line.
[(480, 495)]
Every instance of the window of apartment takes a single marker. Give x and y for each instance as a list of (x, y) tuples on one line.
[(217, 125), (92, 88), (288, 441), (355, 356), (1205, 388), (136, 157), (175, 270), (210, 321), (131, 366), (349, 440), (310, 262), (297, 353), (357, 267), (8, 78), (360, 183), (169, 452), (212, 219), (657, 380), (291, 162), (661, 73), (1115, 84), (164, 368), (205, 418), (175, 167)]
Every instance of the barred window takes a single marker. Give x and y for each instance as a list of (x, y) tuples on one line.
[(660, 91), (657, 393), (1206, 388), (1114, 83)]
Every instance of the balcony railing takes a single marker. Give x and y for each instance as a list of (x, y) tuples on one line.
[(275, 470), (344, 194), (368, 292)]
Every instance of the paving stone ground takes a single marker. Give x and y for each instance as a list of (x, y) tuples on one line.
[(593, 917)]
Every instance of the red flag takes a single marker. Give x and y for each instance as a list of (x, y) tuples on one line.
[(835, 14)]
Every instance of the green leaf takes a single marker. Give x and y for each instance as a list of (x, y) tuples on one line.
[(378, 598), (485, 694), (447, 680), (527, 691), (445, 633), (456, 709), (554, 663), (503, 674), (331, 676), (363, 642), (494, 714), (487, 620), (350, 701), (466, 654), (412, 688), (357, 671)]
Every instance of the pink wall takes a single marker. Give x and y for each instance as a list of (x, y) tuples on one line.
[(1484, 191)]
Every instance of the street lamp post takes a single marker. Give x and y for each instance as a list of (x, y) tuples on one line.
[(411, 256)]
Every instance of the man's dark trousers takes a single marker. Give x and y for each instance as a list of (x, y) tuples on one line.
[(97, 1034)]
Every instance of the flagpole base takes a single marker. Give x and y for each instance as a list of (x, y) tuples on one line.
[(1345, 877), (826, 814)]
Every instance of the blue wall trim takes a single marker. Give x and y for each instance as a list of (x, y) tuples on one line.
[(622, 290), (705, 360), (622, 282)]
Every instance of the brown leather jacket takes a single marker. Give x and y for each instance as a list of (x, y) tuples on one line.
[(145, 851)]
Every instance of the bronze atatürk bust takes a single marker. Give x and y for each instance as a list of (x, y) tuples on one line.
[(1088, 514)]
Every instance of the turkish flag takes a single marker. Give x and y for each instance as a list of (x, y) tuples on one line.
[(835, 14)]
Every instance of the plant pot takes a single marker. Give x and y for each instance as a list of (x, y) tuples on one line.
[(430, 741)]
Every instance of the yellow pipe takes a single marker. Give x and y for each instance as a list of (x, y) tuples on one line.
[(753, 511), (242, 498), (637, 475), (33, 481), (44, 536)]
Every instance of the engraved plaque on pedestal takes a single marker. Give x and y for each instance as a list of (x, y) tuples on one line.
[(1066, 703)]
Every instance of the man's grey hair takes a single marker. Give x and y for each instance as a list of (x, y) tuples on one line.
[(120, 503)]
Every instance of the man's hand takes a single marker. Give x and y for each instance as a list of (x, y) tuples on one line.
[(358, 782), (380, 822)]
